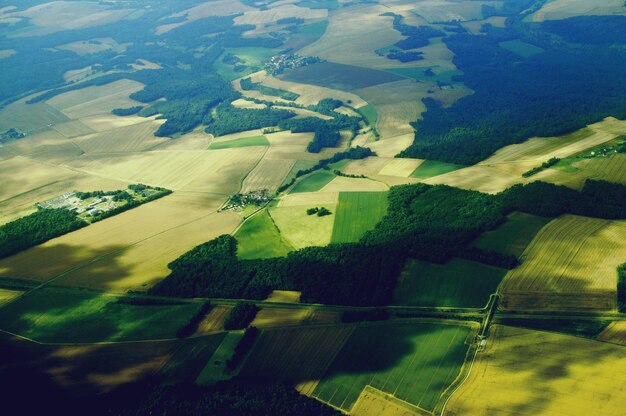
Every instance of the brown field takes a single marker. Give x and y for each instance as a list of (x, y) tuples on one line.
[(373, 402), (214, 321), (91, 101), (563, 9), (354, 34), (615, 333), (130, 250), (212, 8), (570, 265), (398, 104), (524, 372), (280, 11), (342, 184), (64, 15), (299, 355)]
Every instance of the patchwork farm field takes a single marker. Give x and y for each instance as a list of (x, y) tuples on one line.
[(258, 238), (68, 315), (357, 213), (525, 372), (459, 283), (514, 235), (313, 182), (570, 265), (414, 362)]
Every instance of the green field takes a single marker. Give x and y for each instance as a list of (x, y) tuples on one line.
[(431, 168), (71, 315), (259, 238), (514, 235), (252, 57), (215, 368), (370, 114), (357, 213), (413, 361), (314, 182), (319, 4), (188, 361), (440, 74), (458, 283), (339, 76), (520, 48), (315, 30), (243, 142)]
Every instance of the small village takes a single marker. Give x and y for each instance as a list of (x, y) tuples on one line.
[(279, 63), (238, 202)]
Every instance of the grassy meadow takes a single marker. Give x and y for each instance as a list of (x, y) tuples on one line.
[(458, 283), (243, 142), (313, 182), (431, 168), (259, 238), (68, 315), (357, 213)]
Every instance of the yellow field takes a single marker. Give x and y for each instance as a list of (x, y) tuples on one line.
[(133, 138), (308, 199), (478, 178), (302, 230), (354, 34), (524, 372), (91, 101), (130, 250), (373, 402), (241, 103), (107, 122), (615, 333), (268, 174), (342, 184), (309, 94), (398, 104), (374, 165), (7, 295), (391, 147), (298, 355), (563, 9), (280, 11), (280, 317), (570, 265), (284, 296), (214, 321)]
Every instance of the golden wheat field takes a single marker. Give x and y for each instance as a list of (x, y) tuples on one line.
[(373, 402), (268, 174), (524, 372), (571, 264), (281, 317)]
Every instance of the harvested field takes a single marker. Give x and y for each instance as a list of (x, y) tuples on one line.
[(68, 315), (414, 362), (72, 129), (615, 333), (308, 94), (280, 317), (459, 283), (400, 167), (298, 355), (259, 238), (390, 147), (481, 178), (343, 184), (276, 12), (357, 213), (7, 295), (207, 9), (524, 372), (514, 235), (91, 46), (339, 76), (563, 9), (268, 174), (30, 118), (435, 11), (309, 199), (91, 101), (374, 166), (107, 122), (611, 169), (302, 230), (570, 265), (133, 138)]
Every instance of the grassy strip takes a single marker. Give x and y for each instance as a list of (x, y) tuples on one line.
[(243, 142)]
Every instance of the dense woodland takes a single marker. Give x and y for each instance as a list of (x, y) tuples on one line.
[(228, 119), (432, 223), (559, 90)]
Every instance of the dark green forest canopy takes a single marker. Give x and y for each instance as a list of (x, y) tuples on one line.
[(432, 223), (559, 90)]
